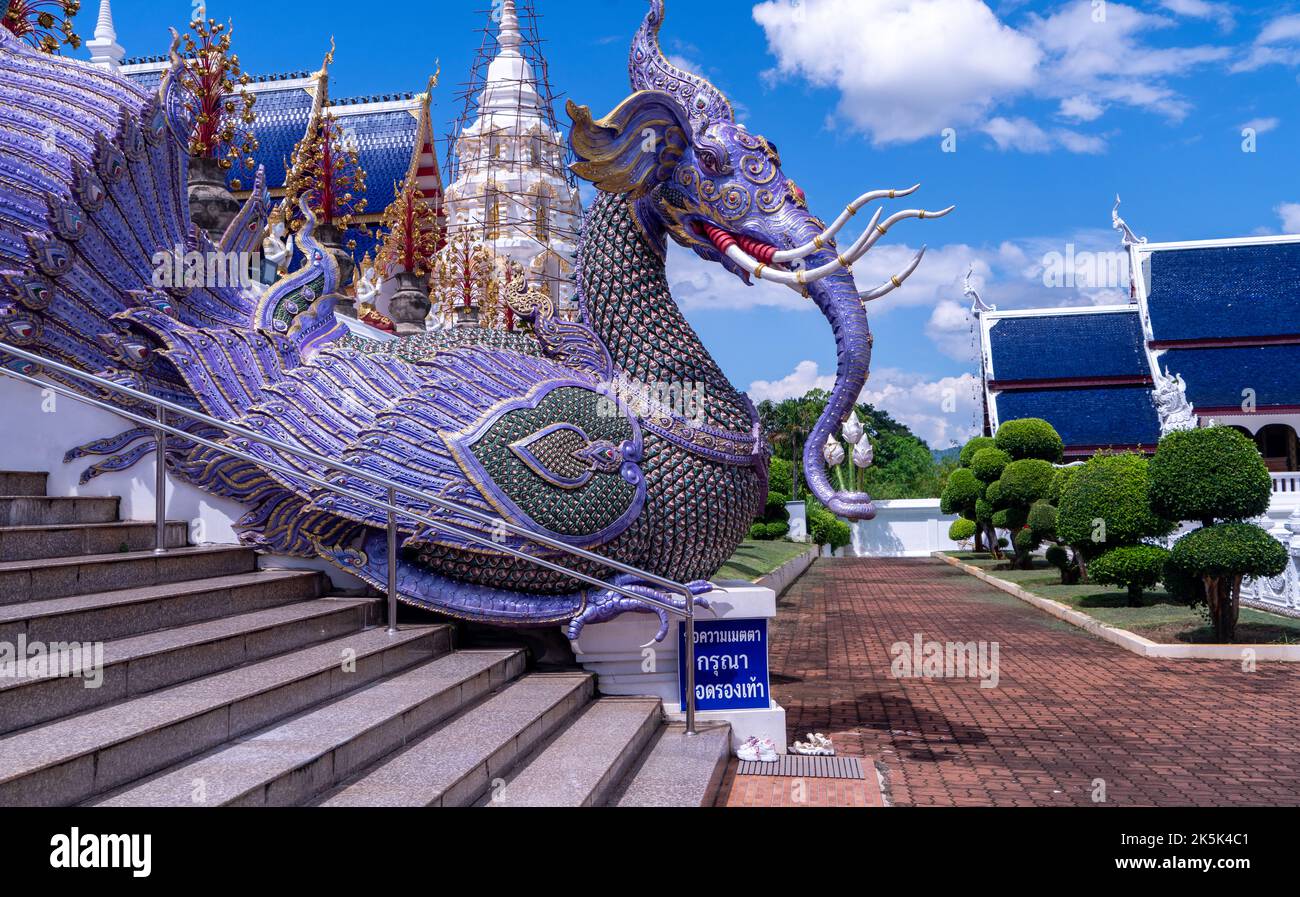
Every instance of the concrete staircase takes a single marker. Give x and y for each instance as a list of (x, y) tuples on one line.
[(222, 684)]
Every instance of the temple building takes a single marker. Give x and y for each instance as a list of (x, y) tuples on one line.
[(393, 133), (1207, 337), (511, 189)]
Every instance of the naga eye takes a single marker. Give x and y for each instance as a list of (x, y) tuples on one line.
[(709, 159)]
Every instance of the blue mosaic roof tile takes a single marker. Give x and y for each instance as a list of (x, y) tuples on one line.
[(386, 145), (146, 80), (1234, 291), (280, 121), (1217, 378), (1114, 416), (1068, 345)]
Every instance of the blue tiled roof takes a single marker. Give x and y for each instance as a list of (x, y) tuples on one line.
[(280, 121), (1107, 344), (1233, 291), (386, 142), (1217, 378), (1114, 416), (146, 80)]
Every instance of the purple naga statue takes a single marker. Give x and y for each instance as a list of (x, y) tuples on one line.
[(540, 430)]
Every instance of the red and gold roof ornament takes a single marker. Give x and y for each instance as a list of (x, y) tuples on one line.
[(217, 97), (44, 24)]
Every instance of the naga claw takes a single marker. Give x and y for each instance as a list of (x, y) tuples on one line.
[(604, 605)]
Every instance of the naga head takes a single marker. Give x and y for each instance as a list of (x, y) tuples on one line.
[(675, 150)]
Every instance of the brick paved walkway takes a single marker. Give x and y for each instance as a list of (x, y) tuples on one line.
[(1069, 709)]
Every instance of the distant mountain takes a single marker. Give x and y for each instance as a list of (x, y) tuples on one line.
[(940, 456)]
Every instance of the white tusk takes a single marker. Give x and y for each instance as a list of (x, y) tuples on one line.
[(799, 279), (872, 235), (823, 240), (894, 282)]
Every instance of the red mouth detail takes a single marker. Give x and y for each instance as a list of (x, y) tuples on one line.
[(723, 241)]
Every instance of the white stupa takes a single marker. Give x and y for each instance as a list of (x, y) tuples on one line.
[(511, 192)]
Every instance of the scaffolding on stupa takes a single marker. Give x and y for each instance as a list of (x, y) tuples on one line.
[(509, 209)]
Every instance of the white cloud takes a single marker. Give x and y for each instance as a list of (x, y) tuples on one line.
[(1289, 212), (1261, 125), (805, 378), (935, 64), (1278, 43), (905, 69), (1081, 108), (941, 411), (1023, 135), (1220, 13)]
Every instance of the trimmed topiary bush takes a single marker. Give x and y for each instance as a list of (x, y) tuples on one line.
[(1060, 558), (961, 493), (826, 529), (1026, 542), (1209, 475), (1221, 556), (1104, 506), (1024, 482), (1182, 585), (1042, 519), (1059, 482), (1030, 438), (962, 530), (1136, 567), (969, 450), (988, 464), (769, 532)]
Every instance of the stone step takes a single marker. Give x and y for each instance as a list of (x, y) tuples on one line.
[(33, 510), (23, 482), (37, 580), (679, 770), (587, 761), (457, 764), (130, 667), (81, 757), (294, 761), (104, 616), (63, 540)]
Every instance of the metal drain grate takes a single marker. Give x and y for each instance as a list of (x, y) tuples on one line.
[(799, 767)]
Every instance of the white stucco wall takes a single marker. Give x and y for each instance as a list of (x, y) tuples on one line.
[(904, 528)]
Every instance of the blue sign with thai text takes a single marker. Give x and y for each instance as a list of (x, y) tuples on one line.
[(730, 665)]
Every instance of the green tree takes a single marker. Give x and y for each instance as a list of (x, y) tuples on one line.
[(1217, 477)]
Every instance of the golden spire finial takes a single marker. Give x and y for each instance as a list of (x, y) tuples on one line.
[(329, 57), (433, 79)]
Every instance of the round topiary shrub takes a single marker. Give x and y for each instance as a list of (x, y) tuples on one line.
[(968, 452), (1030, 438), (776, 510), (1010, 518), (1182, 585), (1221, 556), (1209, 475), (1059, 481), (993, 492), (962, 530), (1060, 558), (988, 464), (961, 493), (1042, 519), (1105, 506), (1136, 567), (1027, 543), (984, 511), (1024, 482)]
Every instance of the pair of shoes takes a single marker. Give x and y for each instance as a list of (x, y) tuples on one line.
[(817, 745), (756, 750)]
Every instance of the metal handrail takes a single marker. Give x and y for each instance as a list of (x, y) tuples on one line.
[(162, 429)]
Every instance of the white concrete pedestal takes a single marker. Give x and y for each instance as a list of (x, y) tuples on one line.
[(613, 652)]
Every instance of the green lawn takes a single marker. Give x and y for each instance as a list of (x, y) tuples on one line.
[(1159, 619), (757, 559)]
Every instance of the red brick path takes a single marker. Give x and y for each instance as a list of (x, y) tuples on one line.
[(1069, 709)]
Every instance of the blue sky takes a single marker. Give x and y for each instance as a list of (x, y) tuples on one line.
[(1055, 108)]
